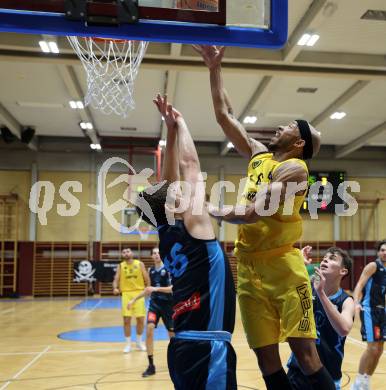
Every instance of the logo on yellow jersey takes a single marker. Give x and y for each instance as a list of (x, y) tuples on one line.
[(251, 195), (256, 164)]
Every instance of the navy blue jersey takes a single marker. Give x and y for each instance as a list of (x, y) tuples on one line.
[(160, 278), (329, 344), (204, 297), (375, 288)]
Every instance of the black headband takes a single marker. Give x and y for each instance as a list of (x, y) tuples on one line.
[(305, 134)]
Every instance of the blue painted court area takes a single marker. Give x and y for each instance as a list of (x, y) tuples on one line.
[(110, 334), (98, 303)]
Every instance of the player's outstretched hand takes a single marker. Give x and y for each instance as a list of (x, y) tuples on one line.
[(169, 113), (116, 291), (130, 304), (306, 252), (358, 308), (319, 281), (212, 55)]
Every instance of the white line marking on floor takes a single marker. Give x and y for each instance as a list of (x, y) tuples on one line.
[(90, 311), (360, 343), (7, 311), (63, 351), (26, 367)]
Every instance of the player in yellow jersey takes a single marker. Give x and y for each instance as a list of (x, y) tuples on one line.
[(130, 280), (273, 285)]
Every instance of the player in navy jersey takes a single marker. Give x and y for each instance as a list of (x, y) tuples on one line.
[(200, 355), (369, 295), (334, 316), (160, 305)]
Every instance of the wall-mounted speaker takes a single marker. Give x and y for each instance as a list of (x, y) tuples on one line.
[(27, 134)]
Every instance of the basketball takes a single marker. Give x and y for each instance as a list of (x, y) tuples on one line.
[(204, 5)]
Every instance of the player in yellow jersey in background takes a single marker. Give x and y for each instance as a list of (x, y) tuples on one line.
[(130, 280), (273, 285)]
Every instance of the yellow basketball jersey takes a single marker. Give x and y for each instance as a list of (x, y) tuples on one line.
[(269, 232), (131, 278)]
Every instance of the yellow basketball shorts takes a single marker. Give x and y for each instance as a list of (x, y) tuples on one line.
[(138, 309), (275, 298)]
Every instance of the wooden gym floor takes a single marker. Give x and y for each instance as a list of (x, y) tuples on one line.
[(33, 357)]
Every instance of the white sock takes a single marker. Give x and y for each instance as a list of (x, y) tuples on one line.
[(139, 338), (362, 378), (128, 340)]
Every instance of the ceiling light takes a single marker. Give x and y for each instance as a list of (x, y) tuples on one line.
[(44, 46), (338, 115), (95, 146), (53, 47), (76, 104), (162, 143), (250, 120), (304, 39), (314, 38), (308, 39), (86, 125), (49, 47), (230, 145)]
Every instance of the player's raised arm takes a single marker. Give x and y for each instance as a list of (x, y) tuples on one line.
[(232, 128), (196, 217), (170, 170), (341, 322), (288, 181)]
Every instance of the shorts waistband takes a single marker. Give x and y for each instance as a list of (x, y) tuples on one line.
[(219, 335), (245, 257)]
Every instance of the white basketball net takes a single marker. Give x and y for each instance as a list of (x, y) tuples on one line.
[(111, 67)]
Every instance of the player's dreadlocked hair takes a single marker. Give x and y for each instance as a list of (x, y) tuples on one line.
[(156, 202)]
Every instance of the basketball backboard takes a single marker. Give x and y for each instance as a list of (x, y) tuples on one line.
[(247, 23)]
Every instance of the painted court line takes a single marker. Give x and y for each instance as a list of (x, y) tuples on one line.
[(360, 343), (90, 311), (28, 365), (64, 351), (7, 311)]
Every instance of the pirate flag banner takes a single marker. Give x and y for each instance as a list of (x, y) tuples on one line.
[(91, 271)]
